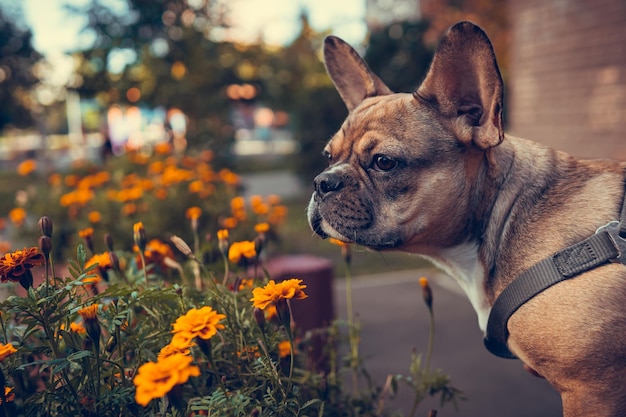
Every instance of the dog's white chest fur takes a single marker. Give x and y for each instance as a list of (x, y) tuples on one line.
[(461, 263)]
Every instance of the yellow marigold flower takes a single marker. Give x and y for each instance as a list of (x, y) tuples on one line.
[(89, 312), (26, 167), (94, 216), (156, 379), (77, 328), (14, 265), (193, 213), (241, 249), (17, 216), (103, 262), (202, 323), (262, 228), (273, 292), (6, 351)]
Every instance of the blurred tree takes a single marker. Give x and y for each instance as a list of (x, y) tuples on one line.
[(162, 53), (302, 87), (17, 58), (397, 53)]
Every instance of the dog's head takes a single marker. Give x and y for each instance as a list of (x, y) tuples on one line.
[(402, 166)]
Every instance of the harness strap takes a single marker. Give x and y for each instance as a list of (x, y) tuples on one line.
[(606, 245)]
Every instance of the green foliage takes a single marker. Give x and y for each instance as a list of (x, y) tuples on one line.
[(60, 369)]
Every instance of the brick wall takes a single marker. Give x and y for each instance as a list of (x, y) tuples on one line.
[(566, 85)]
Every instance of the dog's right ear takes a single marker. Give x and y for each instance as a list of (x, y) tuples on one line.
[(352, 77)]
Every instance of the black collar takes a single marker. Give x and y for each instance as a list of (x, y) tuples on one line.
[(608, 244)]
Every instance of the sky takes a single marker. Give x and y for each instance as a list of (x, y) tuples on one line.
[(55, 31)]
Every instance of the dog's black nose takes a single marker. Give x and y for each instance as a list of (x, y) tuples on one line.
[(327, 182)]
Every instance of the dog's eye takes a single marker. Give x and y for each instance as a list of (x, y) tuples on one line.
[(384, 163), (327, 155)]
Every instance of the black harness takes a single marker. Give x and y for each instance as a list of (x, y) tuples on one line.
[(608, 244)]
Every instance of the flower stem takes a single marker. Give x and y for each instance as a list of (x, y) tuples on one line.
[(352, 336), (431, 338), (143, 265)]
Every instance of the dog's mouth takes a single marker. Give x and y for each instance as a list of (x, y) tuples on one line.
[(367, 237)]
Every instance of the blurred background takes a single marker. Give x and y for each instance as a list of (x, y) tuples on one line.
[(244, 78), (87, 80)]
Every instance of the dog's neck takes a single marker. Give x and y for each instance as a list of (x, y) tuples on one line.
[(503, 238)]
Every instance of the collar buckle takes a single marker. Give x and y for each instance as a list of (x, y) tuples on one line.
[(613, 230)]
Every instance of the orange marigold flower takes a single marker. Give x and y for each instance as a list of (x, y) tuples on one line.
[(17, 216), (156, 379), (77, 328), (229, 223), (55, 179), (26, 167), (245, 249), (102, 260), (273, 292), (173, 349), (202, 323), (222, 234), (89, 312), (9, 395), (87, 232), (6, 351), (284, 348), (155, 253), (193, 213), (262, 228), (163, 148), (13, 265), (94, 216)]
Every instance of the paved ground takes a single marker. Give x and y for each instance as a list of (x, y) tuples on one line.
[(395, 320)]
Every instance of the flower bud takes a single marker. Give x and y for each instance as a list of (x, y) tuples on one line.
[(108, 241), (45, 245), (259, 317), (115, 261), (45, 226), (181, 245), (427, 293), (139, 236)]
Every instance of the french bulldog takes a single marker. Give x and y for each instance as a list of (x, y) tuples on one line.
[(433, 173)]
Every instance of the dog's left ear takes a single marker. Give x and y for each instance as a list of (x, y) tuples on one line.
[(464, 83)]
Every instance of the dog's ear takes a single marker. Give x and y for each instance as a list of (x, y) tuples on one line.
[(464, 82), (350, 74)]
